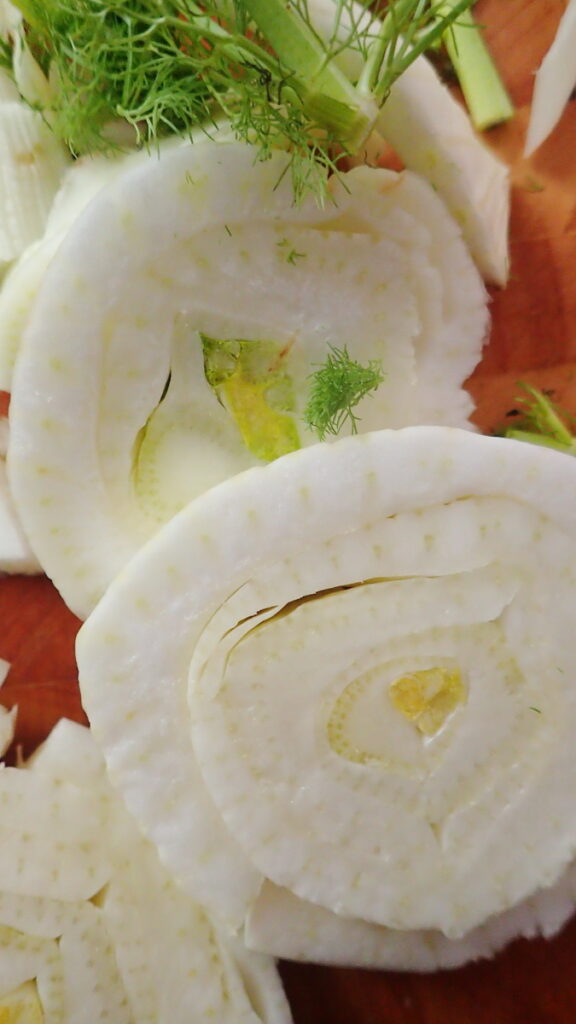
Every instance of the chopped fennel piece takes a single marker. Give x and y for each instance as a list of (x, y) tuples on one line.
[(43, 852), (7, 727), (432, 134), (138, 952), (31, 167), (7, 718), (203, 243), (484, 91), (15, 553), (555, 80), (22, 1006), (25, 959), (284, 629)]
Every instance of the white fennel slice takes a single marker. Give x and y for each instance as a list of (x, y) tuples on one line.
[(205, 239), (31, 167), (81, 181), (433, 135), (8, 89), (555, 80), (138, 950), (7, 718), (286, 926), (15, 553), (363, 657)]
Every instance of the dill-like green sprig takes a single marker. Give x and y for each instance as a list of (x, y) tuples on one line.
[(337, 386), (168, 66), (540, 421)]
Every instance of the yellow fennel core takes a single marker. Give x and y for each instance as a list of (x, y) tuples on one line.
[(427, 697), (22, 1006), (266, 432)]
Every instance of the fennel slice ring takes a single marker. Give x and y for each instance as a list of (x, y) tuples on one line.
[(115, 419), (351, 674)]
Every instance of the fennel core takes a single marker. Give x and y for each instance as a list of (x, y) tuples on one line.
[(178, 65), (251, 381)]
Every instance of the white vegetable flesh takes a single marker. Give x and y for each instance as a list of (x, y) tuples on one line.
[(555, 80), (15, 553), (7, 718), (173, 248), (81, 182), (31, 167), (8, 90), (433, 135), (287, 648), (91, 926), (288, 927)]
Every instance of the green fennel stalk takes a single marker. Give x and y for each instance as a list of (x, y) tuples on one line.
[(541, 422), (485, 94), (176, 65)]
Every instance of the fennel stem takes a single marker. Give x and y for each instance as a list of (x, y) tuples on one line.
[(484, 91), (176, 65)]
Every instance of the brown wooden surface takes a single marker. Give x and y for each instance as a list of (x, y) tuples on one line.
[(533, 338)]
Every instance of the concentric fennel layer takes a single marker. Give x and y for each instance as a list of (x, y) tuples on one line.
[(205, 241), (349, 676)]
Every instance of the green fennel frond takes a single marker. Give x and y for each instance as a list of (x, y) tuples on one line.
[(337, 386), (539, 421), (172, 66)]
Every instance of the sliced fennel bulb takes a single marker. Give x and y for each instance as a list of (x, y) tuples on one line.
[(555, 80), (206, 240), (298, 641), (130, 947)]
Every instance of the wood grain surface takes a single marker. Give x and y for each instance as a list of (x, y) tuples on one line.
[(533, 338)]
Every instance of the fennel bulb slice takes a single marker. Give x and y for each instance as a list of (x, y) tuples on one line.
[(136, 951), (15, 553), (433, 135), (373, 640), (555, 80), (80, 183), (205, 247), (7, 718), (288, 927), (31, 167)]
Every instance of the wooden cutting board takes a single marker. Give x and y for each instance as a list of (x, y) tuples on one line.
[(533, 338)]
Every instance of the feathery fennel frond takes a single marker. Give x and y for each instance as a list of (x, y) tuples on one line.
[(337, 386), (168, 66)]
